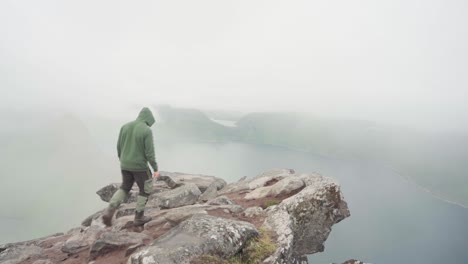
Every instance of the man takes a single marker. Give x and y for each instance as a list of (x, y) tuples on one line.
[(135, 150)]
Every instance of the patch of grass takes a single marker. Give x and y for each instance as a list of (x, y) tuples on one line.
[(255, 251), (269, 203)]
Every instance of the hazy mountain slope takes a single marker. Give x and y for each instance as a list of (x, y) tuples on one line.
[(181, 124), (49, 174)]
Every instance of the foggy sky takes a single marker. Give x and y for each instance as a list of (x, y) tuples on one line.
[(395, 61)]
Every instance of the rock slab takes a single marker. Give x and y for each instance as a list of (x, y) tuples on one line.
[(111, 241), (199, 235), (187, 194)]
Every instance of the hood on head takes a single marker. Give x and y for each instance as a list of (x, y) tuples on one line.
[(146, 116)]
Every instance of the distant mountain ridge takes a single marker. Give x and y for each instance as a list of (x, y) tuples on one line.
[(433, 160)]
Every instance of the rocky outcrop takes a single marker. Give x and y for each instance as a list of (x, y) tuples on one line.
[(197, 236), (196, 217), (303, 222), (19, 253)]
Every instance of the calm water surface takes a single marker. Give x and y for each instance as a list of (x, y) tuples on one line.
[(392, 221)]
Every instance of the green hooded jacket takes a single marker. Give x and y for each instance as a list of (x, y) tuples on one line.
[(135, 146)]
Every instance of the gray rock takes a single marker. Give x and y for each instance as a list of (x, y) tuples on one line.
[(201, 234), (132, 249), (259, 181), (221, 200), (253, 211), (175, 216), (107, 191), (19, 253), (269, 176), (242, 179), (122, 223), (210, 193), (353, 261), (286, 186), (236, 209), (129, 209), (235, 187), (169, 181), (178, 215), (110, 241), (303, 222), (159, 221), (91, 218), (83, 240), (232, 208), (310, 178), (125, 209), (202, 181), (185, 195), (43, 261), (258, 193)]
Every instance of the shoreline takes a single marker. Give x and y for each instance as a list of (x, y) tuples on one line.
[(433, 193)]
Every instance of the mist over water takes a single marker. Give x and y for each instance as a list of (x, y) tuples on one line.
[(370, 93), (73, 157)]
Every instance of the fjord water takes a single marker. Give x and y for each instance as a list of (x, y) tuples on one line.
[(392, 220)]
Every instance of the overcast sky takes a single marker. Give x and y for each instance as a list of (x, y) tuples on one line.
[(400, 61)]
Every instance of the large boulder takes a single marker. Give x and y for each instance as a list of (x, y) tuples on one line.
[(220, 200), (18, 253), (111, 241), (303, 222), (280, 186), (287, 186), (199, 235), (82, 240), (210, 193), (267, 178), (258, 193), (253, 211), (89, 220), (201, 181), (169, 181), (187, 194)]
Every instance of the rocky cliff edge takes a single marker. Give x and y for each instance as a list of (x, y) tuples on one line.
[(279, 216)]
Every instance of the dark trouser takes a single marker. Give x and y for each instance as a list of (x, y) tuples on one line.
[(140, 177), (144, 182)]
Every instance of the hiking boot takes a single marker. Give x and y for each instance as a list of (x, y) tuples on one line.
[(140, 219), (107, 216)]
